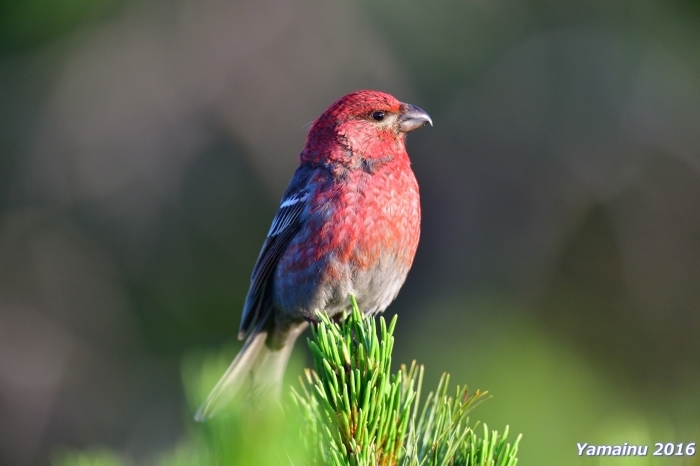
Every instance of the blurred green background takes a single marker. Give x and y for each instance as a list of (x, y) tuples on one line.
[(144, 146)]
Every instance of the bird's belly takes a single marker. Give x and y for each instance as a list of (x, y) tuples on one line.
[(377, 287), (326, 286)]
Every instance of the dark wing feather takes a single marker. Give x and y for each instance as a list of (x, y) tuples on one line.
[(285, 225)]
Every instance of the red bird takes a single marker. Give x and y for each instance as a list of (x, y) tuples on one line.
[(348, 223)]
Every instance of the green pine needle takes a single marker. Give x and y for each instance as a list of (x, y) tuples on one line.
[(359, 414)]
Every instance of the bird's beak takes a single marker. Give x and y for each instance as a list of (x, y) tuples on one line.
[(412, 117)]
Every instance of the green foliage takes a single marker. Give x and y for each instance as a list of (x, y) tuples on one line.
[(357, 413), (350, 411)]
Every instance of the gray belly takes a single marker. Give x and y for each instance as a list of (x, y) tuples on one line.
[(374, 288)]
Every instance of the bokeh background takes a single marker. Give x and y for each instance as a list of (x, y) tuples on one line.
[(144, 146)]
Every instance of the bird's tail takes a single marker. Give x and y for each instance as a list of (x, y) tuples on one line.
[(257, 368)]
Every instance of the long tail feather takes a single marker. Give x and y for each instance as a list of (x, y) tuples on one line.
[(257, 369)]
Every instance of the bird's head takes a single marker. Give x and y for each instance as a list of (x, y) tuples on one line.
[(368, 123)]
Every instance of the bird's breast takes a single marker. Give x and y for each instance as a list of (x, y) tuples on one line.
[(378, 213)]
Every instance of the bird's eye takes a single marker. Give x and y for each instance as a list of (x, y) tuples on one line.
[(377, 116)]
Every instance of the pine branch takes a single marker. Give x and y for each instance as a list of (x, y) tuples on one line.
[(358, 414)]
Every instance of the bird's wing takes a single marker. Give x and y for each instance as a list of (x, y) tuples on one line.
[(285, 226)]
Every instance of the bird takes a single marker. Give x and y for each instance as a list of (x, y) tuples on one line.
[(347, 224)]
